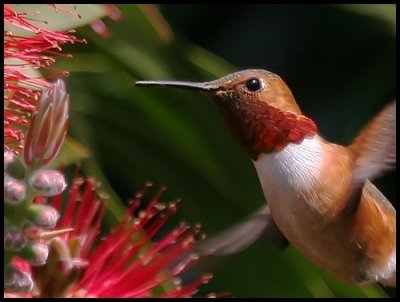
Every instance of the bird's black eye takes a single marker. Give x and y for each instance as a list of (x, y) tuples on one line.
[(253, 84)]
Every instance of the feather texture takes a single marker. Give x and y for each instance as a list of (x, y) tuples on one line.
[(374, 149)]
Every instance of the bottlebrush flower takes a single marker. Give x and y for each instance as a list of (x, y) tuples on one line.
[(124, 263), (30, 51), (35, 48)]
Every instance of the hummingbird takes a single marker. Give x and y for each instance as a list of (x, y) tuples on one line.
[(319, 195)]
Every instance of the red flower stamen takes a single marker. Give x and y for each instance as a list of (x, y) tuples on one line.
[(36, 50), (124, 263)]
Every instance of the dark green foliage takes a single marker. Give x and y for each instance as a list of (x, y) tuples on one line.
[(338, 60)]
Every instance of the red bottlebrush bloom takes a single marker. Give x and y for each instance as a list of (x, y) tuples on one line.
[(35, 49), (28, 47), (124, 263)]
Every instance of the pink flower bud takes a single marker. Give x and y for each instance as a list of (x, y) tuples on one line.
[(9, 157), (14, 239), (36, 253), (42, 215), (14, 190), (17, 282), (48, 126), (48, 182), (13, 166)]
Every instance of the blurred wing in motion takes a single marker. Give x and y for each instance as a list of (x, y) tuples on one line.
[(243, 234), (375, 147)]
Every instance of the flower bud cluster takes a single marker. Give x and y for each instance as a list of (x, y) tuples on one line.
[(28, 178)]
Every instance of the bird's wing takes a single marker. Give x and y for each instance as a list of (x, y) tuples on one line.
[(241, 235), (374, 149)]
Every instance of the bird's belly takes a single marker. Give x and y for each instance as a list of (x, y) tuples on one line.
[(305, 228), (310, 235)]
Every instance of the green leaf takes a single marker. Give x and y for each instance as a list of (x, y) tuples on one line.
[(386, 12)]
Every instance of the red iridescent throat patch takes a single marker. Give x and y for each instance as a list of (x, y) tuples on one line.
[(262, 128)]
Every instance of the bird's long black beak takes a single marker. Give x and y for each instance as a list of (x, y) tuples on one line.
[(197, 86)]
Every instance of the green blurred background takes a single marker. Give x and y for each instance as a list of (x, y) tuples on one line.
[(339, 61)]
